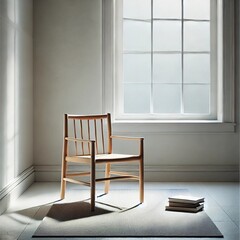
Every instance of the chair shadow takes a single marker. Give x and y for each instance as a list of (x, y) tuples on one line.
[(122, 209), (131, 208), (82, 209), (74, 210)]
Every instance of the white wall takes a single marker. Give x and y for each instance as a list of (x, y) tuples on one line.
[(67, 69), (16, 90), (68, 79)]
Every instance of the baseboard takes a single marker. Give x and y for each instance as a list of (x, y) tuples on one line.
[(14, 189), (190, 173)]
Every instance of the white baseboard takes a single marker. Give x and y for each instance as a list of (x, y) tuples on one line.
[(189, 173), (14, 189)]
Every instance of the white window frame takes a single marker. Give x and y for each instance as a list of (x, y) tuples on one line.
[(226, 83)]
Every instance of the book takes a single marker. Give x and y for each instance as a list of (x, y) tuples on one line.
[(186, 199), (185, 209), (179, 204)]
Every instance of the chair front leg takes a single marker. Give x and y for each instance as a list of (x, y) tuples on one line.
[(63, 182), (141, 180), (141, 172), (107, 175), (63, 173), (93, 176)]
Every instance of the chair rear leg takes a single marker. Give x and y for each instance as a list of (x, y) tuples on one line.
[(93, 176), (141, 180), (107, 174)]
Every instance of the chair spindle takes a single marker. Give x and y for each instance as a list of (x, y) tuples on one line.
[(75, 135), (81, 131), (96, 139), (89, 134), (103, 147)]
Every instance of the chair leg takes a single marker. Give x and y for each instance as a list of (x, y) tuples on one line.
[(63, 182), (93, 183), (93, 178), (63, 188), (141, 180), (107, 174)]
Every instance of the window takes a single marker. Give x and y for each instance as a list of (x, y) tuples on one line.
[(168, 53), (169, 60)]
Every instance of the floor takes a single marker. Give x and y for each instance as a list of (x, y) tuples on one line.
[(222, 203)]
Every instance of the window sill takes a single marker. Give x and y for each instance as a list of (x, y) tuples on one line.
[(156, 127)]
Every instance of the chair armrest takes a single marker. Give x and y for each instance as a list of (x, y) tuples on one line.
[(79, 140), (128, 138), (140, 139)]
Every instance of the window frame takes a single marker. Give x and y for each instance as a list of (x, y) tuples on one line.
[(225, 95)]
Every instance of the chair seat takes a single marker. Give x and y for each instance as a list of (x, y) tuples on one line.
[(103, 158)]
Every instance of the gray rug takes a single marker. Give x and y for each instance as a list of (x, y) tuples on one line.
[(147, 220)]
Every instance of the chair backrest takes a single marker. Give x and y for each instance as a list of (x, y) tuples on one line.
[(89, 127)]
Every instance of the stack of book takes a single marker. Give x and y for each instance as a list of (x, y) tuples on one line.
[(185, 204)]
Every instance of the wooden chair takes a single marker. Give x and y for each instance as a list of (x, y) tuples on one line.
[(91, 143)]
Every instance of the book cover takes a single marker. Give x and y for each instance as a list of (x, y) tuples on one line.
[(186, 199), (180, 204), (185, 209)]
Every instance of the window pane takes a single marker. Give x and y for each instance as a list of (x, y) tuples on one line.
[(196, 68), (197, 9), (196, 36), (154, 78), (196, 98), (166, 35), (167, 9), (137, 9), (137, 68), (166, 98), (163, 65), (137, 98), (136, 35)]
